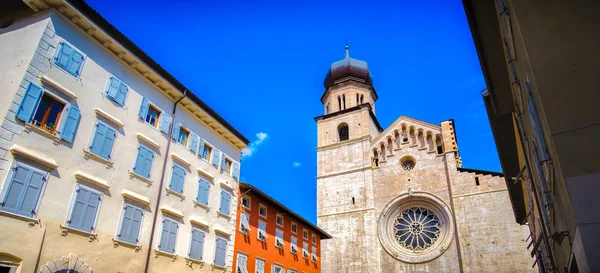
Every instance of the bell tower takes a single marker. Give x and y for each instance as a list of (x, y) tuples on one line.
[(344, 178)]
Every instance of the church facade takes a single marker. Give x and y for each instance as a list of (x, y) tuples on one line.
[(398, 199)]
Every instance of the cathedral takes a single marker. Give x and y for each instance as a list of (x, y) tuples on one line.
[(398, 199)]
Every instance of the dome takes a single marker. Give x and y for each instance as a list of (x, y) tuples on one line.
[(348, 68)]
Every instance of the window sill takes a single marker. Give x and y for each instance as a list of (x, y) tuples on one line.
[(117, 243), (189, 261), (170, 191), (30, 127), (164, 253), (221, 267), (223, 215), (65, 230), (32, 221), (133, 174), (88, 154), (198, 204)]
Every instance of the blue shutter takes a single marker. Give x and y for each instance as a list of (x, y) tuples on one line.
[(24, 191), (197, 244), (144, 108), (164, 236), (172, 236), (193, 145), (203, 189), (138, 215), (236, 170), (220, 251), (64, 55), (201, 147), (91, 210), (32, 194), (177, 178), (225, 198), (98, 139), (223, 167), (113, 88), (176, 130), (215, 157), (76, 62), (69, 126), (143, 163), (109, 140), (122, 94), (126, 224), (16, 188), (31, 98), (165, 122), (79, 208)]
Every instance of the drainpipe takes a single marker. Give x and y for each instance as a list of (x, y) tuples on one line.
[(162, 179)]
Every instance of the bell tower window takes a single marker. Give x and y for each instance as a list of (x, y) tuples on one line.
[(339, 103), (343, 131), (344, 100)]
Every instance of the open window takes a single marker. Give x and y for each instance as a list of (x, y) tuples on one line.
[(153, 115), (207, 151), (183, 136), (343, 131)]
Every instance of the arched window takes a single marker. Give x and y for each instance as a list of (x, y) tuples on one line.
[(357, 102), (361, 98), (343, 131), (327, 109), (344, 100), (339, 103)]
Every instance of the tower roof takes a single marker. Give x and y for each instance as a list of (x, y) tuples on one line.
[(348, 68)]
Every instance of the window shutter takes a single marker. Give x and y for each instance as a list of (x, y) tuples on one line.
[(144, 108), (236, 171), (122, 94), (164, 236), (79, 208), (173, 235), (30, 101), (109, 140), (165, 123), (143, 163), (91, 210), (201, 147), (193, 145), (113, 88), (32, 193), (138, 215), (225, 198), (177, 178), (223, 163), (176, 128), (126, 224), (64, 56), (203, 189), (17, 186), (69, 126), (215, 157), (76, 62), (220, 252), (99, 138), (197, 244)]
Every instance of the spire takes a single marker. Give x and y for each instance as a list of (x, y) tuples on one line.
[(347, 49)]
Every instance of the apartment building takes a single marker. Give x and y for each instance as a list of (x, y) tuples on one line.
[(273, 238), (539, 61), (107, 162)]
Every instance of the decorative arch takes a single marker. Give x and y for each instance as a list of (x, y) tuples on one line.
[(71, 264), (343, 131)]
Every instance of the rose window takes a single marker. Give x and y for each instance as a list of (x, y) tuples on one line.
[(408, 164), (417, 228)]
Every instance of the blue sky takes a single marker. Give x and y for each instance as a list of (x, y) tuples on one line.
[(261, 64)]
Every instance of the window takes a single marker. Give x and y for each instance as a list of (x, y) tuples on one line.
[(314, 239), (131, 222), (41, 109), (103, 140), (206, 151), (143, 161), (476, 181), (203, 190), (225, 202), (246, 202), (278, 269), (357, 98), (279, 220), (84, 209), (294, 228), (314, 254), (177, 178), (6, 266), (361, 98), (292, 271), (69, 59), (197, 244), (344, 100), (536, 125), (262, 231), (116, 90), (242, 263), (327, 109), (153, 115), (244, 223), (260, 266), (168, 236), (23, 190), (220, 251), (305, 250), (343, 131), (226, 165), (180, 134), (305, 234), (262, 211), (279, 238), (293, 245), (339, 103)]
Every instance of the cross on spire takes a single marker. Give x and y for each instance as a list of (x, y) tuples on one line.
[(347, 49)]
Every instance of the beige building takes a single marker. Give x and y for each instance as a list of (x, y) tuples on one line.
[(539, 61), (107, 164), (399, 199)]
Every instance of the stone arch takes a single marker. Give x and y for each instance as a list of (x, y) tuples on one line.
[(390, 145), (382, 148), (430, 142), (404, 133), (397, 139), (375, 157), (343, 131), (421, 138), (70, 264), (412, 136), (438, 144)]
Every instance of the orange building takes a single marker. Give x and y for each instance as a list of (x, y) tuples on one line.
[(272, 238)]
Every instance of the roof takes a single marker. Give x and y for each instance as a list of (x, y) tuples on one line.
[(348, 68), (484, 172), (261, 194), (114, 33)]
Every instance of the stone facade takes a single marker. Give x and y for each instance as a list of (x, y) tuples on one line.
[(364, 180)]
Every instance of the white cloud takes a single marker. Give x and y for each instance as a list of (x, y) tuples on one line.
[(260, 138), (296, 164)]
